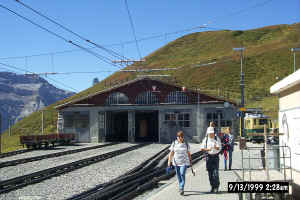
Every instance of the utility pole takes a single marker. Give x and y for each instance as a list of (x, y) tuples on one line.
[(294, 50), (42, 122), (9, 129), (0, 131), (266, 153), (242, 109)]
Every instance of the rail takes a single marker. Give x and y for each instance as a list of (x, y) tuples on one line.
[(36, 158), (127, 187), (19, 182), (12, 153)]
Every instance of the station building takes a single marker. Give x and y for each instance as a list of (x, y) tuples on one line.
[(143, 110)]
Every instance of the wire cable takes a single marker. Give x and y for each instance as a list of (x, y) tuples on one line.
[(150, 37), (70, 31), (104, 59), (114, 44), (33, 73), (133, 30)]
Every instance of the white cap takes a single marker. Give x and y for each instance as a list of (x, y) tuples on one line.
[(210, 130)]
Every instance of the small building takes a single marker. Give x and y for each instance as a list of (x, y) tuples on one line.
[(143, 110), (288, 91)]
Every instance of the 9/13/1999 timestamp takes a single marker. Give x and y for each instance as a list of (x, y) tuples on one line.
[(258, 187)]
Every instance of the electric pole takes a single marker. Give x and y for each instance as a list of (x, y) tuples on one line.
[(242, 109), (0, 131)]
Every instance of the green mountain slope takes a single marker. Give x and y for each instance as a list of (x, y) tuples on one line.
[(267, 58)]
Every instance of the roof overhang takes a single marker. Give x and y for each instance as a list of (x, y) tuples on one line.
[(286, 83), (76, 102)]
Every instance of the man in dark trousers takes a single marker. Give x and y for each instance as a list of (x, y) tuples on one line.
[(212, 145)]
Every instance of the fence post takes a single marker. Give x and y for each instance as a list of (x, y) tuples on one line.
[(266, 153)]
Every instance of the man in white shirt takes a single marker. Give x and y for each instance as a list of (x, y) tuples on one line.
[(211, 144)]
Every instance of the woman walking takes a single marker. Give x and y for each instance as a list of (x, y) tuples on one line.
[(228, 145), (180, 157)]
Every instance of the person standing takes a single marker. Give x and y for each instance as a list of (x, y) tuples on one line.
[(228, 142), (211, 144), (180, 157)]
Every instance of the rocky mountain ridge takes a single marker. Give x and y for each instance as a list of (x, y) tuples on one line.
[(20, 95)]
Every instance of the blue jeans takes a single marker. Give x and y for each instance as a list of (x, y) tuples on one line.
[(180, 172), (229, 158)]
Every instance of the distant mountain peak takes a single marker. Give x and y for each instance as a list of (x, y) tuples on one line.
[(20, 95)]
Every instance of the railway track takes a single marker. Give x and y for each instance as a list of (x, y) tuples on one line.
[(52, 155), (147, 165), (135, 182), (12, 153), (21, 181)]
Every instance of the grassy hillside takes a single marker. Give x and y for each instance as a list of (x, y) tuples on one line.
[(267, 56)]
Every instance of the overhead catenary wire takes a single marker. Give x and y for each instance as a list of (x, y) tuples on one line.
[(74, 33), (133, 30), (33, 73), (151, 37), (104, 59), (259, 4), (115, 44)]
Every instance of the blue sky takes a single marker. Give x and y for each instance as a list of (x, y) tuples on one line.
[(106, 22)]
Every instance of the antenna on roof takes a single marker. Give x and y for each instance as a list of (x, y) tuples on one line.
[(127, 62), (154, 75)]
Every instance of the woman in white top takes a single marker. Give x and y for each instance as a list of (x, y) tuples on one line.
[(212, 145), (180, 157)]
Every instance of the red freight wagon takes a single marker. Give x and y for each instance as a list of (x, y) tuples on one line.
[(37, 141)]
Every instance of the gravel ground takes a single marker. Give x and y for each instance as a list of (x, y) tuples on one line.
[(28, 168), (80, 180), (48, 151)]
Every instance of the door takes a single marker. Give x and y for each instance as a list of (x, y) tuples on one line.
[(82, 127), (131, 126), (101, 126)]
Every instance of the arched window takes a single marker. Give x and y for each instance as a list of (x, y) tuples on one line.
[(147, 97), (117, 98), (177, 97)]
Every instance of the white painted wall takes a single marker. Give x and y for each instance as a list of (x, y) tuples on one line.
[(289, 125)]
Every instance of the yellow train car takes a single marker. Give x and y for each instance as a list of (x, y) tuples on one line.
[(254, 127)]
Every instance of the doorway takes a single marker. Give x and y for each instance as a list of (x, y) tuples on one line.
[(146, 126)]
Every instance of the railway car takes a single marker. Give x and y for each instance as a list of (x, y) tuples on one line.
[(254, 126), (37, 141), (66, 138)]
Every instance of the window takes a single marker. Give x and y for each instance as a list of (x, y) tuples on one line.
[(170, 117), (182, 119), (262, 121), (209, 116), (214, 116), (101, 119), (146, 98), (228, 123), (68, 121), (223, 123), (177, 97), (117, 98)]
